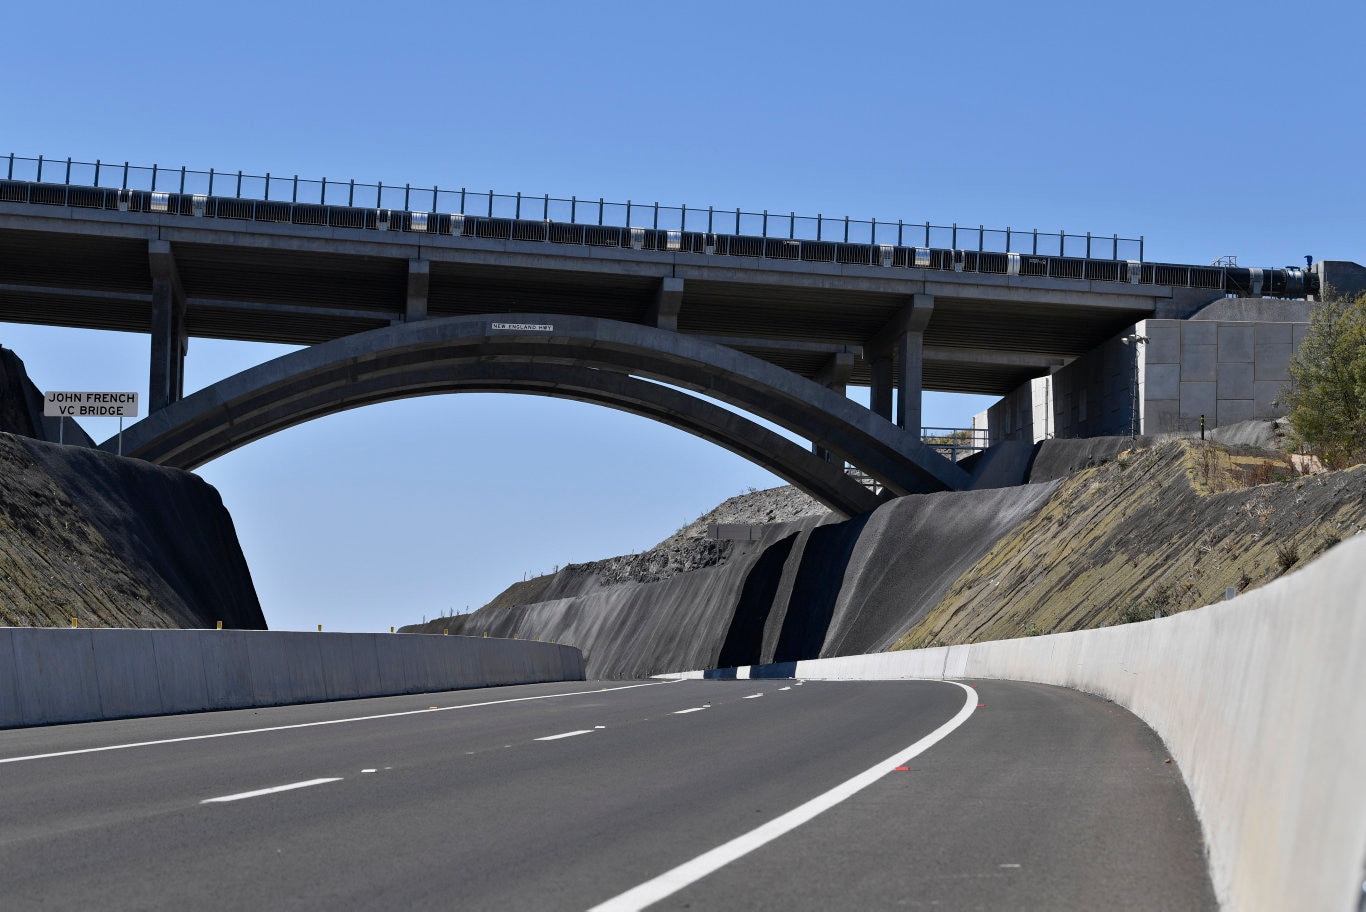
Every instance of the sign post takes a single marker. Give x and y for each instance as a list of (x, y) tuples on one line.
[(64, 405)]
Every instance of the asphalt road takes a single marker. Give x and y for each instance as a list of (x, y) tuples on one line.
[(570, 796)]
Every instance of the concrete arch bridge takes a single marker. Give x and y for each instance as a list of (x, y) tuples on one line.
[(601, 361)]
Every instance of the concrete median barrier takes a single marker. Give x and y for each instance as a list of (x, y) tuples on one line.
[(50, 676), (126, 672), (180, 672), (1258, 699), (54, 673)]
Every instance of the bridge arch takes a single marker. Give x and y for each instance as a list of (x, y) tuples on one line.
[(581, 358)]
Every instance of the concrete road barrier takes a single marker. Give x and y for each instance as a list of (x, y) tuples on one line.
[(54, 675), (1260, 700)]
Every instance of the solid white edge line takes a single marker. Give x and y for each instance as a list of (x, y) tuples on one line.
[(582, 731), (270, 791), (275, 728), (670, 882)]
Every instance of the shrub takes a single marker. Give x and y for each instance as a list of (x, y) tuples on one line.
[(1327, 392), (1287, 556)]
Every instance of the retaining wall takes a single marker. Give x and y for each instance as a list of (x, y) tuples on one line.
[(52, 675), (1261, 701)]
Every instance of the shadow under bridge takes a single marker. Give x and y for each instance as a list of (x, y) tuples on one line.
[(581, 358)]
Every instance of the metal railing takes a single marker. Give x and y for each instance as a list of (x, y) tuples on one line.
[(754, 227), (951, 443), (670, 240), (518, 226), (955, 443)]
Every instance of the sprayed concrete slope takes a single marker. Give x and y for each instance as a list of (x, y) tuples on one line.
[(111, 542), (115, 543), (801, 590), (1116, 524), (21, 407)]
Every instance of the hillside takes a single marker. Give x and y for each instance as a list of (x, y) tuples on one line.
[(812, 586), (1166, 528), (1108, 531), (111, 542)]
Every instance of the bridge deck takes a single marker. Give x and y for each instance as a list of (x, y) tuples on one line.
[(305, 284)]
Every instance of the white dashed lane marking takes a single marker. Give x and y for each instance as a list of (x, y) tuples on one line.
[(582, 731), (269, 791)]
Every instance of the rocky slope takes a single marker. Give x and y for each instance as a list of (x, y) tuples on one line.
[(811, 586), (1165, 528), (1108, 530), (111, 542), (690, 548)]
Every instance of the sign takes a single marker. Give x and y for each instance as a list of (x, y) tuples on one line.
[(527, 327), (90, 405)]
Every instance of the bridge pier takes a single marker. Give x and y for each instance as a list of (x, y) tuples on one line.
[(170, 342), (898, 361), (835, 377), (663, 311), (419, 281)]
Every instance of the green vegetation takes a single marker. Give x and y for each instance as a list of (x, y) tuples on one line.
[(1327, 393)]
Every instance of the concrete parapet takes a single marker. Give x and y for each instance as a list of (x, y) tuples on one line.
[(1258, 699), (54, 675)]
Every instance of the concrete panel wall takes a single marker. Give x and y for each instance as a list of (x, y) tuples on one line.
[(50, 675), (1225, 370), (1259, 701), (1090, 397)]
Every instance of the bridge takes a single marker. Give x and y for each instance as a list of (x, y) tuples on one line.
[(452, 291)]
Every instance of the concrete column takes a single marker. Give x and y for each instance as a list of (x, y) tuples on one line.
[(170, 342), (834, 376), (663, 311), (897, 359), (419, 281), (910, 361), (880, 392)]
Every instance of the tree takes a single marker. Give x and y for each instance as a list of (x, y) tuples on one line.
[(1327, 392)]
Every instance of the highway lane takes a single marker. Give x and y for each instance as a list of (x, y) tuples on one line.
[(567, 796)]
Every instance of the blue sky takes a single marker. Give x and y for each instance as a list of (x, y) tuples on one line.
[(1209, 128)]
